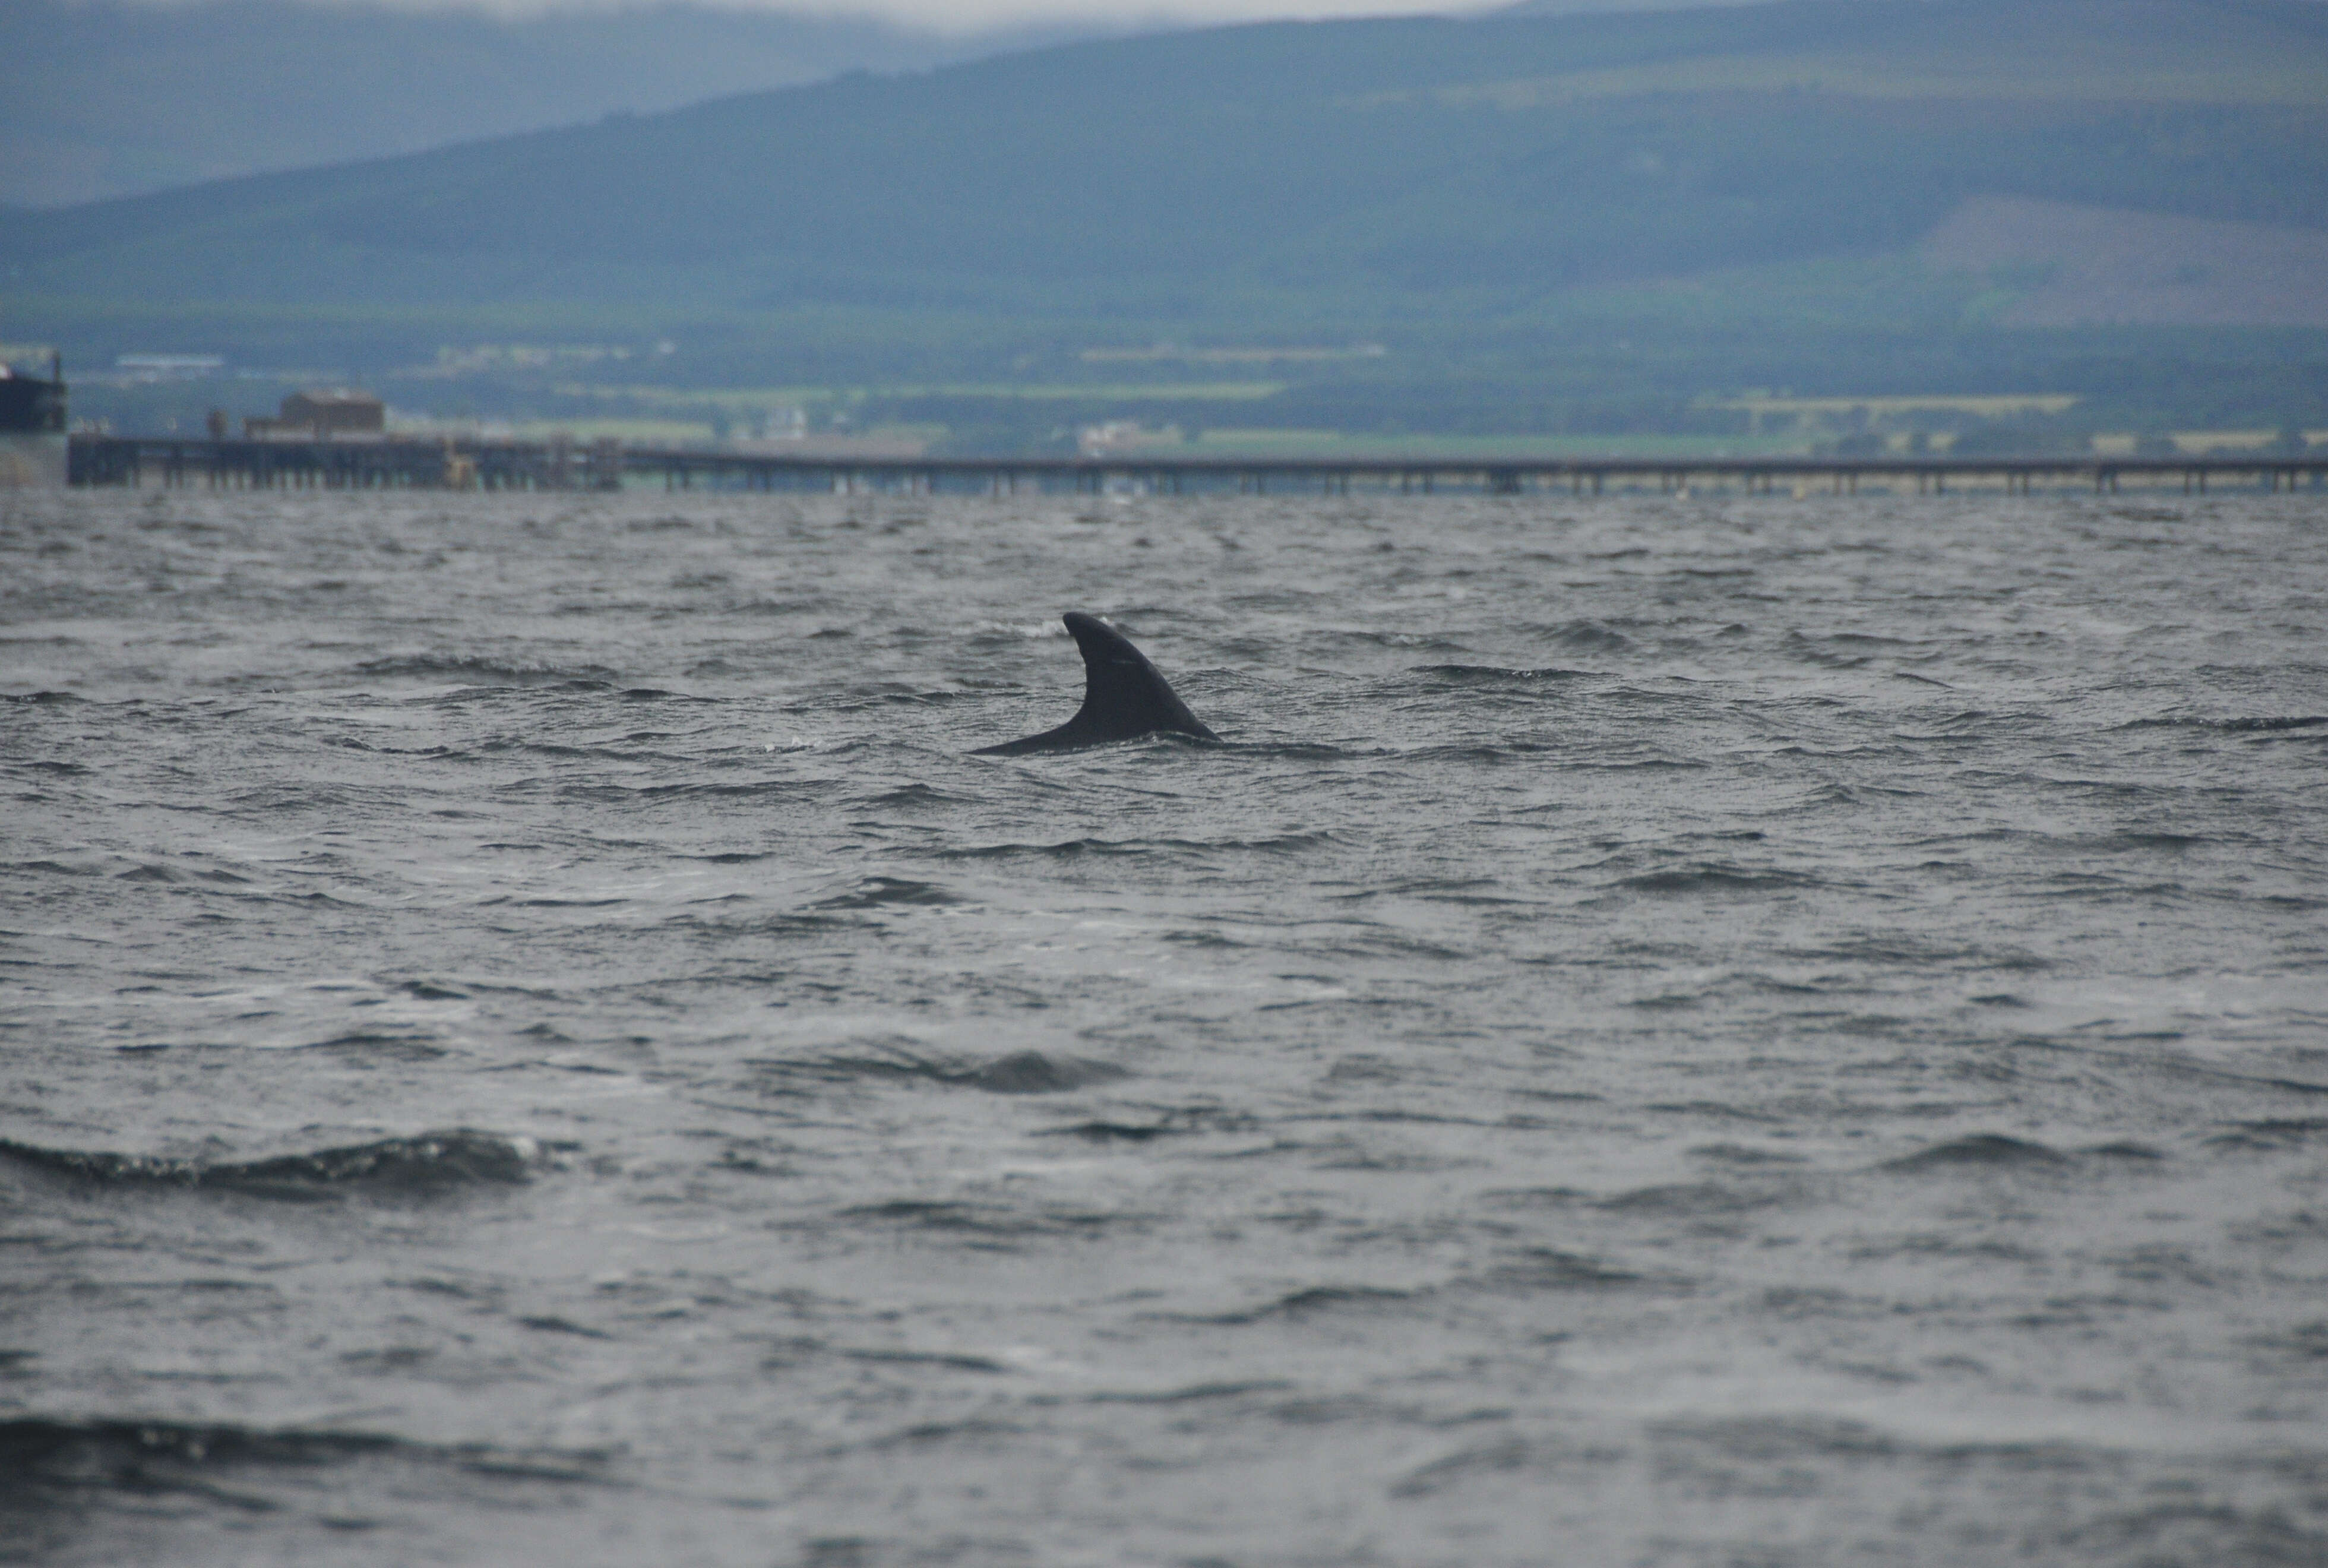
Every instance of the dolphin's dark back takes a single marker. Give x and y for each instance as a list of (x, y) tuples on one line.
[(1123, 697)]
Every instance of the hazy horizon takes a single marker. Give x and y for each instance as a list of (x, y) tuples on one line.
[(957, 17)]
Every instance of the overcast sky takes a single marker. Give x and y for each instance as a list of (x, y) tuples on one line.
[(962, 14), (972, 16)]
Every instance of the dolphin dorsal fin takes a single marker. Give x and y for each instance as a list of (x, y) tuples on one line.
[(1123, 697)]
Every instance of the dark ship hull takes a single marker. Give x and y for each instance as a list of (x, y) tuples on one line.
[(31, 430)]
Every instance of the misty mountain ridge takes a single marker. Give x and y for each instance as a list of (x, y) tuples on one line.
[(101, 98), (1406, 156)]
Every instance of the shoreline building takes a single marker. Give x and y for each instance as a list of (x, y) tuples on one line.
[(32, 446), (322, 414)]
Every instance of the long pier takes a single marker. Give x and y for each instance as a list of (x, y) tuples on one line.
[(363, 464)]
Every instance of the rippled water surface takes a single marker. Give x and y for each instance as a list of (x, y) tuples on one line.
[(1686, 1031)]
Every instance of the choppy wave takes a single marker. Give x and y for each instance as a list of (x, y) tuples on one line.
[(1981, 1151), (1591, 636), (35, 1451), (887, 892), (1077, 849), (2265, 726), (135, 871), (1173, 1122), (1317, 1300), (994, 1227), (1738, 1101), (1549, 1269), (1018, 1072), (478, 669), (151, 1457), (1498, 675), (2274, 1134), (430, 1162), (1719, 878)]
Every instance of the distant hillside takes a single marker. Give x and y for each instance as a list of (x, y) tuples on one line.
[(110, 97), (1548, 222), (113, 98), (1413, 156), (2099, 267)]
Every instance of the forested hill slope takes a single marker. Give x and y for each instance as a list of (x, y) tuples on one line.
[(109, 98), (1507, 155)]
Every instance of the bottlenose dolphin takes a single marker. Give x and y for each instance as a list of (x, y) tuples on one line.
[(1123, 697)]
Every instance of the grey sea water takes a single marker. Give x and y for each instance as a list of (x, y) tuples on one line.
[(1675, 1031)]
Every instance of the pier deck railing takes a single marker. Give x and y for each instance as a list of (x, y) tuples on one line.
[(374, 464)]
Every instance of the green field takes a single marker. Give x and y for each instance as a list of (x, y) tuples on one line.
[(1259, 443)]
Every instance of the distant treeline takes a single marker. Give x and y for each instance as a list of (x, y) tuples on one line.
[(2136, 380)]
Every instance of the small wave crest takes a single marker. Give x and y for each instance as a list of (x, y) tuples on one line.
[(1018, 630), (883, 892), (1548, 1269), (1026, 1072), (1399, 640), (1296, 750), (1171, 1123), (910, 797), (1495, 675), (1592, 635), (1075, 849), (1981, 1152), (430, 1162), (990, 1226), (2274, 1134), (33, 1449), (1315, 1301), (1716, 878), (2265, 725), (147, 1457), (471, 670)]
